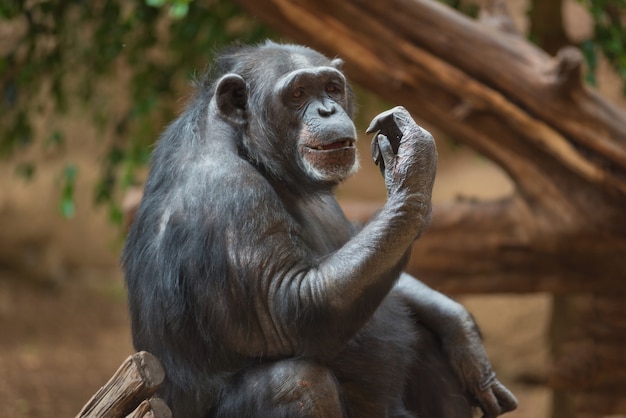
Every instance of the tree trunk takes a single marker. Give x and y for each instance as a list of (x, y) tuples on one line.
[(564, 229)]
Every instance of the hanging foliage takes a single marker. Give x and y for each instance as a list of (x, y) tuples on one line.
[(67, 49)]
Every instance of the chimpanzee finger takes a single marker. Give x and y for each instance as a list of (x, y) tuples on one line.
[(376, 155), (506, 399), (489, 404), (386, 150), (375, 124), (387, 126), (497, 400)]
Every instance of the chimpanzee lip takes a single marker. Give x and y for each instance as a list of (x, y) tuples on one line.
[(332, 146)]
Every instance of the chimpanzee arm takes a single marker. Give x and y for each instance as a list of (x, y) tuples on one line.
[(455, 327), (307, 306), (461, 341)]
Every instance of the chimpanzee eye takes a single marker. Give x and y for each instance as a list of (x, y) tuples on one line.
[(331, 88)]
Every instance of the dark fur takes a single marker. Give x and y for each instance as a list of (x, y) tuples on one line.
[(226, 264)]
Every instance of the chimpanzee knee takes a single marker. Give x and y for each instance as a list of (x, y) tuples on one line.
[(286, 388), (433, 389)]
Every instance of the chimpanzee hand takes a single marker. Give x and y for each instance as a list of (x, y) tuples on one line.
[(406, 153), (468, 358), (461, 343)]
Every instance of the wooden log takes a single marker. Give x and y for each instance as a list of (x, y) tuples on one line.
[(151, 408), (137, 379), (480, 247), (588, 332)]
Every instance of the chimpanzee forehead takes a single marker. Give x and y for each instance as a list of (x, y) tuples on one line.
[(299, 61), (288, 58), (267, 65)]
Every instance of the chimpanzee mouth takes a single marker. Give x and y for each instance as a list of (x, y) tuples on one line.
[(341, 144)]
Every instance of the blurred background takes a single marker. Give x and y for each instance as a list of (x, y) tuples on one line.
[(86, 87)]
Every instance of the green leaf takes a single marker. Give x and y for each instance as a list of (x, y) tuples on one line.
[(116, 216), (67, 206), (155, 3), (70, 174), (55, 139), (589, 52), (179, 10), (25, 171)]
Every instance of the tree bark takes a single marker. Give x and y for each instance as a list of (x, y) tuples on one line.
[(151, 408), (564, 228), (136, 380)]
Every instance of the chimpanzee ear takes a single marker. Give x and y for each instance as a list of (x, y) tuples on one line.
[(231, 96), (337, 63)]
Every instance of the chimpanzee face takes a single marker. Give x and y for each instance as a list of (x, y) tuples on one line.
[(294, 108), (317, 99)]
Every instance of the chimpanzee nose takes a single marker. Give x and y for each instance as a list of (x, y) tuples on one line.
[(326, 110)]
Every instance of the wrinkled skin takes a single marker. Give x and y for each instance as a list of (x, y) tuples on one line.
[(247, 281)]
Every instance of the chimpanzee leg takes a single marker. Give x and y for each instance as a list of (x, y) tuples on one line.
[(433, 390), (286, 388)]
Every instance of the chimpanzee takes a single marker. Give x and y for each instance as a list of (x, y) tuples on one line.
[(250, 285)]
